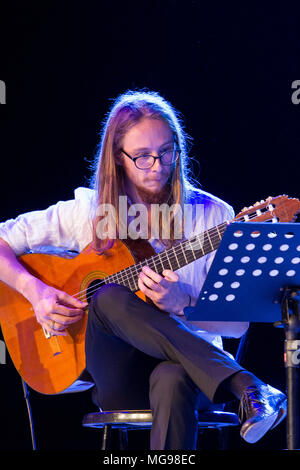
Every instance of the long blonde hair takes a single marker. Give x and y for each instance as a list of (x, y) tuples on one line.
[(108, 177)]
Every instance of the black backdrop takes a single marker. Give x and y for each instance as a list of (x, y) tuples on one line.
[(227, 67)]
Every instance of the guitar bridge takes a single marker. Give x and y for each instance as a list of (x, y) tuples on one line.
[(46, 333), (54, 342)]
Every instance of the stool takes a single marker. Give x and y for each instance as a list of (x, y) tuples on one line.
[(125, 420)]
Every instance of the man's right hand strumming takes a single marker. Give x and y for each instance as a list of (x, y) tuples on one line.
[(55, 310)]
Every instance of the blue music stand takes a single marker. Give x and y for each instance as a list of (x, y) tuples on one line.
[(255, 277)]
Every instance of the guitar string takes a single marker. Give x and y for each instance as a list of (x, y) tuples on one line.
[(172, 254), (172, 257), (175, 253), (163, 257), (126, 281)]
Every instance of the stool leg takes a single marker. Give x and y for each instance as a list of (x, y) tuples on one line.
[(199, 439), (123, 439), (106, 438), (223, 438)]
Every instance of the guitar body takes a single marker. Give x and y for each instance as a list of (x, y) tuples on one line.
[(52, 365)]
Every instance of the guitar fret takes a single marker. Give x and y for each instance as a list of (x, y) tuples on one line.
[(174, 251), (217, 228), (181, 246), (188, 252), (131, 278), (191, 248), (161, 262), (120, 278), (127, 275), (210, 242), (110, 278), (134, 275), (130, 282), (136, 271), (154, 265), (135, 283), (198, 237), (166, 253)]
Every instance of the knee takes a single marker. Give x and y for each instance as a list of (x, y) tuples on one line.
[(109, 296)]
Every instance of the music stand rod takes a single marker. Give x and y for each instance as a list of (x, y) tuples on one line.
[(291, 324)]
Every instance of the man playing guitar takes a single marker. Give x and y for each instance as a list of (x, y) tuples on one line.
[(142, 354)]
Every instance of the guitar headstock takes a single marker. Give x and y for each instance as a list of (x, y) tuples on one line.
[(273, 209)]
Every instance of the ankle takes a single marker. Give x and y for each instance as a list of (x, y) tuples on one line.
[(240, 381)]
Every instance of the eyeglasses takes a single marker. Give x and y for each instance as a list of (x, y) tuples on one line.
[(144, 162)]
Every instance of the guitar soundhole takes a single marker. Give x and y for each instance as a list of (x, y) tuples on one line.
[(92, 288)]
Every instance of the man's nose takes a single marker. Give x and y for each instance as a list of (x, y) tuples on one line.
[(157, 165)]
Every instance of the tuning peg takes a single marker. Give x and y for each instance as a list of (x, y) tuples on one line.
[(262, 201)]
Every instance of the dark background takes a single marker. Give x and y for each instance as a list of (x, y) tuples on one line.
[(227, 67)]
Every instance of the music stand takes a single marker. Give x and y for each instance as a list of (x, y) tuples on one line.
[(255, 277)]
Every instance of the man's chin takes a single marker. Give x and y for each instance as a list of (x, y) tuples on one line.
[(154, 194)]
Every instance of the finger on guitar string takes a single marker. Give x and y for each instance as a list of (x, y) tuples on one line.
[(152, 274), (150, 283), (152, 279), (170, 275), (149, 292), (50, 303), (62, 321), (70, 300), (67, 311)]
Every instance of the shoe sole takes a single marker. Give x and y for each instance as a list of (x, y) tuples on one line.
[(257, 430), (281, 414)]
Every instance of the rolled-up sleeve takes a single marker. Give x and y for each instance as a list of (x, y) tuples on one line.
[(65, 224)]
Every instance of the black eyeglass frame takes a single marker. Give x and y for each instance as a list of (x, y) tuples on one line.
[(176, 151)]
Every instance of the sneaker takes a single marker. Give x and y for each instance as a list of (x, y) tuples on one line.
[(264, 407)]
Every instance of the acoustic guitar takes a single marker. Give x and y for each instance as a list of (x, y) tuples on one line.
[(56, 364)]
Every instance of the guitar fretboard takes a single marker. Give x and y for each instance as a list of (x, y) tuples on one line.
[(173, 258)]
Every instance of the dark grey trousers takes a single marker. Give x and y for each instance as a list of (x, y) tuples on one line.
[(140, 358)]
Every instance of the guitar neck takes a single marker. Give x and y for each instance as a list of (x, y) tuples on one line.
[(173, 258)]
